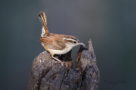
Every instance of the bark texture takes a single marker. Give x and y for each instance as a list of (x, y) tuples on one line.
[(47, 74)]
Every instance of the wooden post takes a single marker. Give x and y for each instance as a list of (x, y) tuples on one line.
[(46, 74)]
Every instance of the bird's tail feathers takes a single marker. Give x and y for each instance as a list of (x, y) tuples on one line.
[(43, 19)]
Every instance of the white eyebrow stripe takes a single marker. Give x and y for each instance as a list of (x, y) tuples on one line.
[(69, 39)]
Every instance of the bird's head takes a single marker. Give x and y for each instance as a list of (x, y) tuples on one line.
[(72, 41)]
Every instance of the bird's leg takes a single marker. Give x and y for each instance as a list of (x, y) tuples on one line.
[(57, 60)]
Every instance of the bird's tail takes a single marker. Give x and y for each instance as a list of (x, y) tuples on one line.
[(43, 19)]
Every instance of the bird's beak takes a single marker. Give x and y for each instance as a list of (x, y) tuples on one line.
[(82, 44)]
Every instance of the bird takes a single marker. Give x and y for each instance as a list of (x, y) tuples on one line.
[(56, 44)]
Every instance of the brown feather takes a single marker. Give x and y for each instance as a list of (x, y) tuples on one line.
[(43, 19), (56, 41), (53, 41)]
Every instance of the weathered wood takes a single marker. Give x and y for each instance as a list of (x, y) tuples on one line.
[(46, 74)]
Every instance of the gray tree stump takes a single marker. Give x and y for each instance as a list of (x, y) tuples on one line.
[(46, 74)]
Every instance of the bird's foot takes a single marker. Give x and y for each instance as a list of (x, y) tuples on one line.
[(58, 61), (62, 63)]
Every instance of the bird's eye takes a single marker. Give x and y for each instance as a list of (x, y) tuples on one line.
[(75, 42)]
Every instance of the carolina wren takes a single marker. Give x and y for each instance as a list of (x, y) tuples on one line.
[(56, 43)]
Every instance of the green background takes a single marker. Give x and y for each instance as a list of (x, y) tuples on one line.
[(109, 23)]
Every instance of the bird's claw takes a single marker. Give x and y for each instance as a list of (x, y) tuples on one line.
[(62, 63)]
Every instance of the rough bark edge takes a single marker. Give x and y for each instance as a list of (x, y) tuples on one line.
[(46, 74)]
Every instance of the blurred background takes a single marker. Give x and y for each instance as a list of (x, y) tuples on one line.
[(109, 23)]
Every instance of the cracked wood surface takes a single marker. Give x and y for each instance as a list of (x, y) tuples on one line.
[(46, 74)]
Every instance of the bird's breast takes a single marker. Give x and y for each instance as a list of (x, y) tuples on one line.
[(64, 51)]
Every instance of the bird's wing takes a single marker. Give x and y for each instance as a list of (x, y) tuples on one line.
[(53, 43)]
